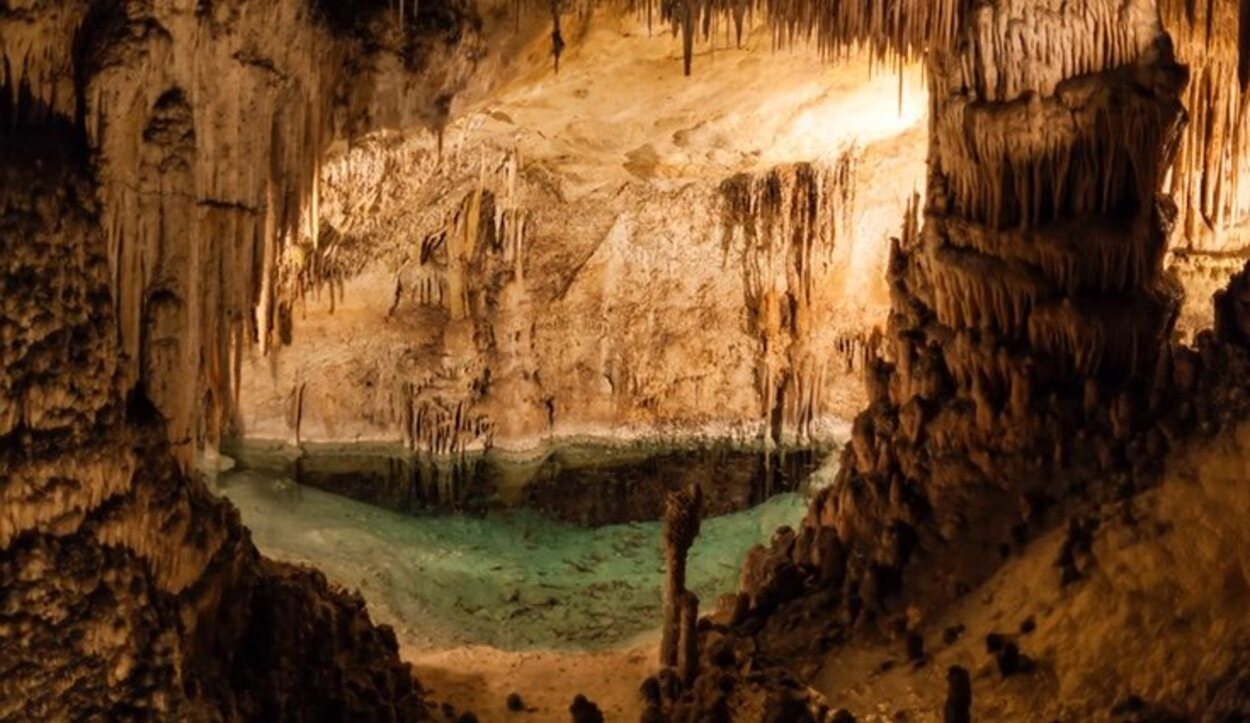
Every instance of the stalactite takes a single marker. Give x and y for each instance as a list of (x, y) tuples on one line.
[(1213, 157), (467, 267), (557, 39), (891, 33), (786, 223)]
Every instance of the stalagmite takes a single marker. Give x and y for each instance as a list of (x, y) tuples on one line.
[(958, 706), (682, 512), (688, 649)]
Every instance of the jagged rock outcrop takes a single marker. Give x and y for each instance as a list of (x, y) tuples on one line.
[(1029, 303)]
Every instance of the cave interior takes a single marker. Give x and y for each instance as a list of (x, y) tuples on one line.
[(690, 360)]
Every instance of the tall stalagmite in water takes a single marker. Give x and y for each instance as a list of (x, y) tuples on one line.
[(682, 512)]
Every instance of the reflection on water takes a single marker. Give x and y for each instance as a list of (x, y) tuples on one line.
[(480, 565), (587, 485)]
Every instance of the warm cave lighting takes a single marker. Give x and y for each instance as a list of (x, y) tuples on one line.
[(597, 267), (671, 361)]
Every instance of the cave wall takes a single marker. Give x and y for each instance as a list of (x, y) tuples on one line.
[(615, 250), (154, 159), (707, 309), (206, 123), (130, 590)]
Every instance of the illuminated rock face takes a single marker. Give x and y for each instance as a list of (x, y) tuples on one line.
[(1213, 202), (709, 310), (617, 251)]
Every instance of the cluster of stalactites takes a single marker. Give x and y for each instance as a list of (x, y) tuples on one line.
[(1214, 154), (1045, 231), (36, 65), (431, 426), (783, 225), (485, 237), (1061, 39), (1081, 153), (790, 218), (889, 32), (207, 175)]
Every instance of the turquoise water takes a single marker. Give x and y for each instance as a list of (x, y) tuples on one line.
[(513, 578)]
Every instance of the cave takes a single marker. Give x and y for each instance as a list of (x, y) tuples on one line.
[(692, 360)]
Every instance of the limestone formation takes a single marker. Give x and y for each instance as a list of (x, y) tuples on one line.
[(1028, 341), (500, 305), (584, 710), (130, 590), (158, 159), (788, 221), (208, 125), (688, 638), (682, 512)]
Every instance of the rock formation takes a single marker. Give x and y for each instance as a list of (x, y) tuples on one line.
[(1028, 343), (958, 706), (1034, 282), (130, 591), (688, 645), (682, 512), (157, 159), (161, 213)]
